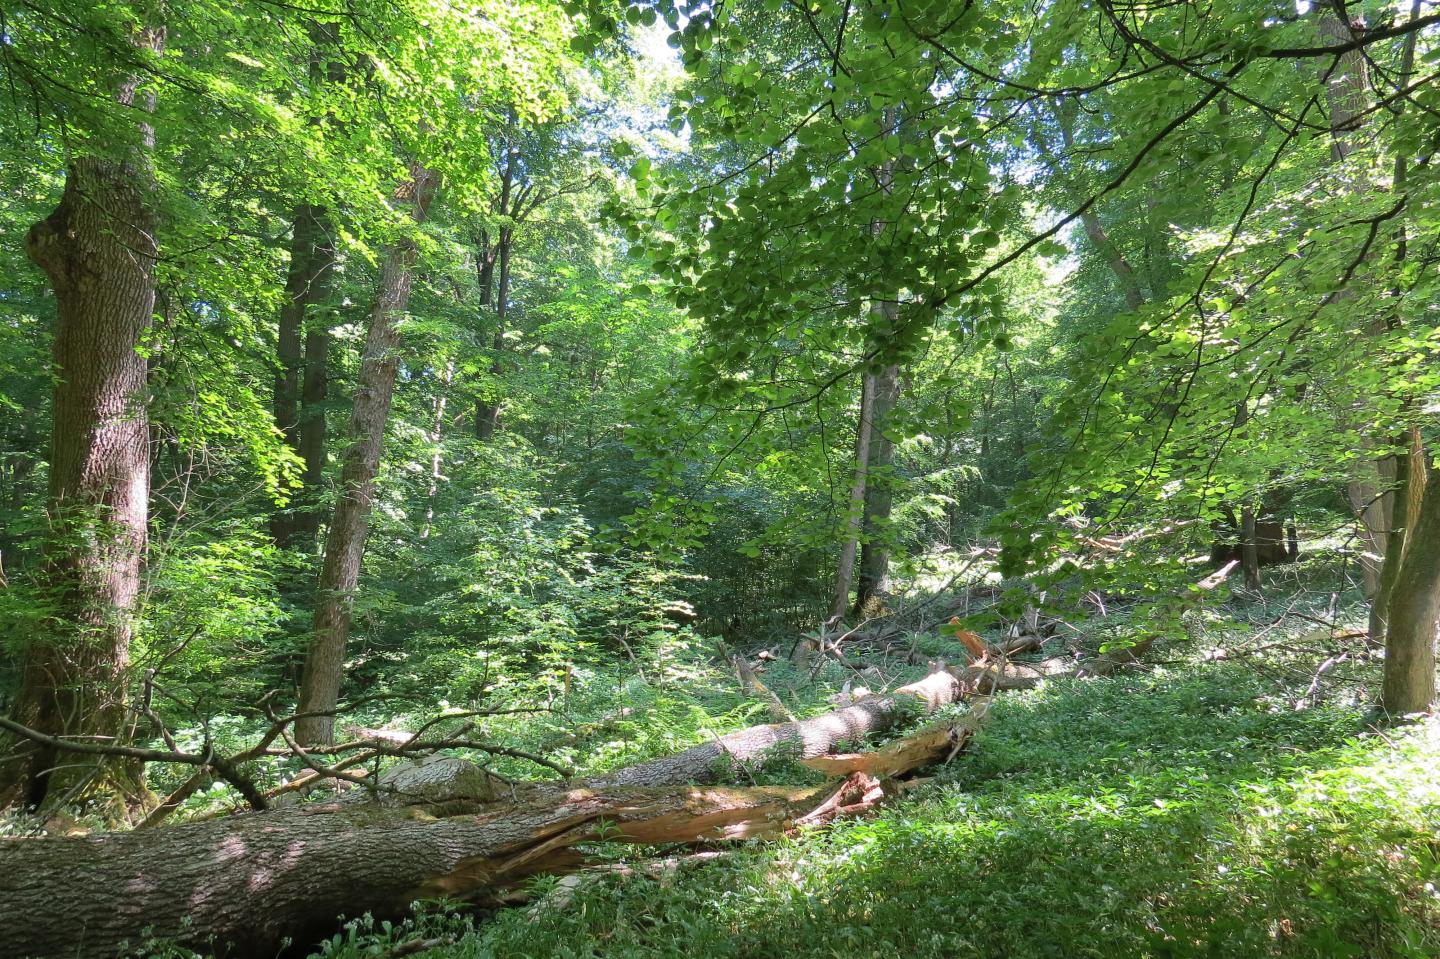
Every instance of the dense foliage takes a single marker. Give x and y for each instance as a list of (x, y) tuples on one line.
[(544, 359)]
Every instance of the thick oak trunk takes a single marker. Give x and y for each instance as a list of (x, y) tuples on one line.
[(345, 543), (252, 881), (98, 249)]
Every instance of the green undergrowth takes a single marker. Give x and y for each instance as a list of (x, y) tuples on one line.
[(1190, 812)]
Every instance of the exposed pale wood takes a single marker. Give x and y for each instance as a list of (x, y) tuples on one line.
[(973, 642), (931, 745), (252, 880), (715, 761)]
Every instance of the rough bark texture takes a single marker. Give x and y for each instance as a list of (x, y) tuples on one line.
[(1413, 610), (248, 882), (487, 414), (251, 881), (879, 493), (98, 249), (1411, 475), (345, 543), (313, 427), (487, 410), (1249, 549), (716, 760), (925, 748)]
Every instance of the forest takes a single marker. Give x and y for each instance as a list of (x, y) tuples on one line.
[(734, 478)]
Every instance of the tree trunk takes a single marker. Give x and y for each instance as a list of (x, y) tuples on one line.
[(326, 67), (883, 319), (242, 885), (312, 259), (345, 544), (1249, 549), (1347, 92), (879, 491), (487, 414), (855, 507), (1090, 219), (1414, 607), (98, 249), (1411, 468), (435, 436), (312, 412), (717, 760)]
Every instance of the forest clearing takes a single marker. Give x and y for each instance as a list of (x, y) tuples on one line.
[(736, 478)]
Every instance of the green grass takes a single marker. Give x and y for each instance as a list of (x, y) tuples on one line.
[(1188, 813)]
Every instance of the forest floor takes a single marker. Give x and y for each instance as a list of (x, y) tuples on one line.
[(1231, 798), (1223, 802)]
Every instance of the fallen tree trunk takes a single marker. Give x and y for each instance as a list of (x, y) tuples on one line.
[(927, 747), (241, 886), (716, 761)]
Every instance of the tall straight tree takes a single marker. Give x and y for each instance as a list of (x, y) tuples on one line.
[(1346, 79), (302, 353), (345, 543), (99, 251), (1406, 607), (538, 164), (855, 505), (879, 390), (874, 570), (303, 348)]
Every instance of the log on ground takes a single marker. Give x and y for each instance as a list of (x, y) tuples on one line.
[(243, 885)]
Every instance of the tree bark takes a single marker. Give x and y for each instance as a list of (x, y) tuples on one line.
[(855, 507), (883, 316), (345, 543), (487, 414), (1414, 606), (242, 885), (1410, 464), (879, 491), (302, 350), (98, 249), (716, 761), (326, 67), (437, 453), (313, 421), (1249, 549), (1090, 220)]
